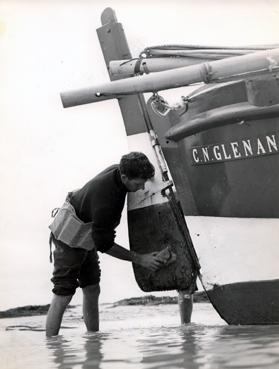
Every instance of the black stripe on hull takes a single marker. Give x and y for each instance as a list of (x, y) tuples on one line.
[(247, 302), (153, 228)]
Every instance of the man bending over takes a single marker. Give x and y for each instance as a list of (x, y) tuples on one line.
[(100, 203)]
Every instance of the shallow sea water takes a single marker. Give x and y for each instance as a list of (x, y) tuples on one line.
[(140, 337)]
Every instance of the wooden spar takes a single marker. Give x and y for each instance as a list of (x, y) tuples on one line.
[(233, 68), (129, 68), (164, 59)]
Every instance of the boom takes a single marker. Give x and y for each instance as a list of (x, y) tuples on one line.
[(233, 68)]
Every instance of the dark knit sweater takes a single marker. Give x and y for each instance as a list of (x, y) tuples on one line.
[(101, 200)]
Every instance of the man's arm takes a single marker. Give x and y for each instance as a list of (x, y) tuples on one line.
[(148, 261)]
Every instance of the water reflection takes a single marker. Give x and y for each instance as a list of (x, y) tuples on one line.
[(232, 346), (202, 347), (172, 347), (192, 346), (84, 352), (141, 338), (93, 350), (59, 348)]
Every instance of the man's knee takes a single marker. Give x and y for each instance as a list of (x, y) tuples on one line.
[(92, 290), (61, 301)]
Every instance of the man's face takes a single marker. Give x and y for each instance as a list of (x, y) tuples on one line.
[(133, 184)]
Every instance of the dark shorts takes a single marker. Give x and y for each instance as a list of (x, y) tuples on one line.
[(73, 267)]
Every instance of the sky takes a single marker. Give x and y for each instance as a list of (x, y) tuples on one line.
[(51, 46)]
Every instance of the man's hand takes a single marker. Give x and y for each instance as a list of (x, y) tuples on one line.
[(166, 256), (152, 261), (148, 261)]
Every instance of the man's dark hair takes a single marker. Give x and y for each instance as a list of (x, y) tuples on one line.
[(136, 165)]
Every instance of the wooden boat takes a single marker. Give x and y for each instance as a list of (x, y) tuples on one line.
[(215, 197)]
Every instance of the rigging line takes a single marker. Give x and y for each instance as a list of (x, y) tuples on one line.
[(201, 47)]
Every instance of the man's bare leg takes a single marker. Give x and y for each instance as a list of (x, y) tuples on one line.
[(185, 302), (55, 314), (91, 307)]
